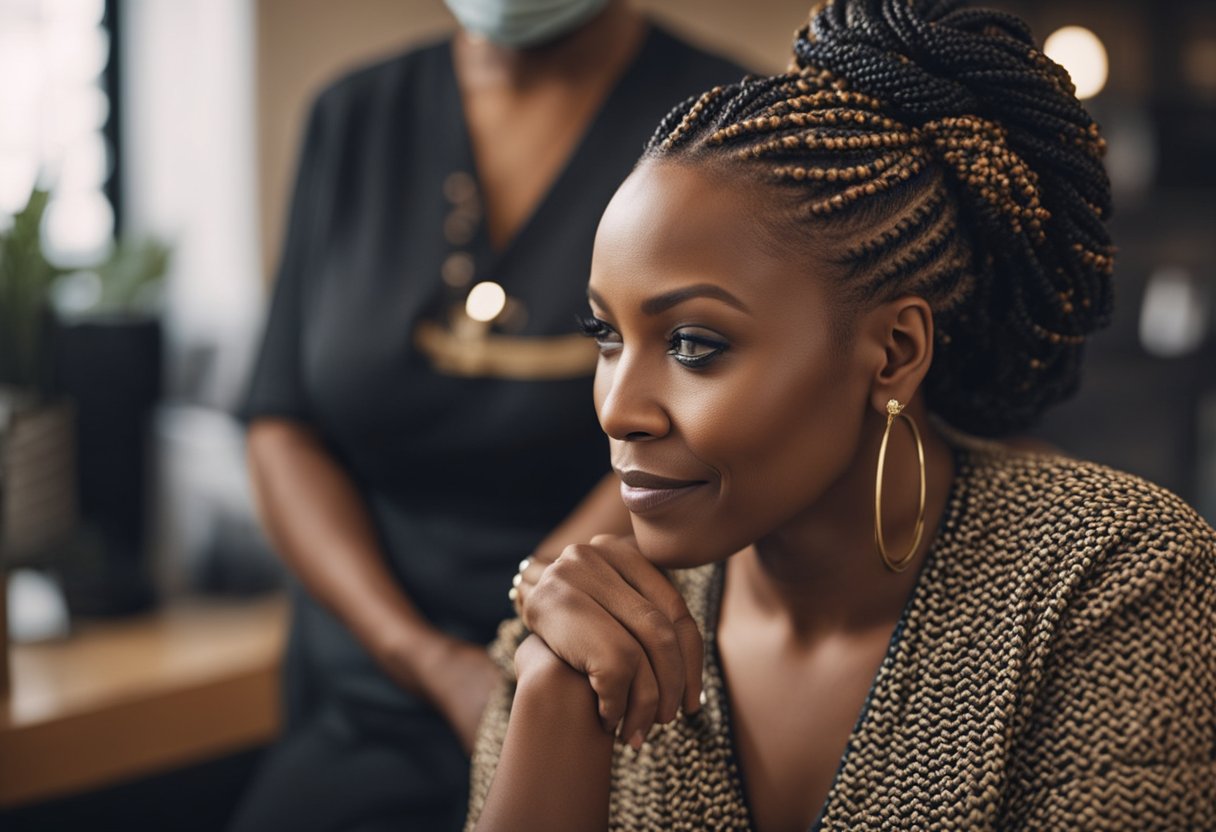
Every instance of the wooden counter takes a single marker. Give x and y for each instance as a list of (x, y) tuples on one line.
[(124, 699)]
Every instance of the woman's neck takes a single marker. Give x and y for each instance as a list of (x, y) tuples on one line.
[(822, 572), (604, 44)]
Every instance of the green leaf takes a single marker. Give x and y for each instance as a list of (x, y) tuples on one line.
[(25, 282)]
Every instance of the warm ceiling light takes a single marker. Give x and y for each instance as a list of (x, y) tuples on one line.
[(1080, 52)]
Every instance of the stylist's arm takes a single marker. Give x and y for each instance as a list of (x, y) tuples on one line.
[(317, 521)]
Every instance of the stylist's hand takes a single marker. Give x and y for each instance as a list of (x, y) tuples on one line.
[(612, 615), (458, 678)]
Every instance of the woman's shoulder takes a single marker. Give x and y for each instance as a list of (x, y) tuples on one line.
[(1076, 519), (1079, 492), (1094, 594)]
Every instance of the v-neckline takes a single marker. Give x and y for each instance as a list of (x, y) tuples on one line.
[(617, 92), (717, 586)]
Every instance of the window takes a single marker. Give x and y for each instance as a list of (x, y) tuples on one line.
[(57, 120)]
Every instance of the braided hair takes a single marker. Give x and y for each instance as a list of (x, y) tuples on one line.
[(955, 163)]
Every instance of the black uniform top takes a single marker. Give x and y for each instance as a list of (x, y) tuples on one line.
[(467, 443)]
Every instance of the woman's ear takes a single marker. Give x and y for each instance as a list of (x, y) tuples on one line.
[(905, 328)]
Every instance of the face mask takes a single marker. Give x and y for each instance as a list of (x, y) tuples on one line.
[(522, 23)]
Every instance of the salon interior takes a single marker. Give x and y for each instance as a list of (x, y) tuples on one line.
[(154, 144)]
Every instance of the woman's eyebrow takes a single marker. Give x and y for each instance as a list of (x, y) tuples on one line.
[(665, 301)]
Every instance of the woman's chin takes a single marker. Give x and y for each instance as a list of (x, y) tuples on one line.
[(675, 551)]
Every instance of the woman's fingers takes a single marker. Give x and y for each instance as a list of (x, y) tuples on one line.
[(565, 612), (607, 611), (595, 644), (527, 578), (643, 707), (597, 574), (653, 585), (628, 694), (692, 650)]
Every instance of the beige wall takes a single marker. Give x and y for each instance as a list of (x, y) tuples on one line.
[(303, 43)]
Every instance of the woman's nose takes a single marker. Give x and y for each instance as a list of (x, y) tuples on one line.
[(629, 409)]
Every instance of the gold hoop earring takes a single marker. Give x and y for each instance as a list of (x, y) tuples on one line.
[(894, 409)]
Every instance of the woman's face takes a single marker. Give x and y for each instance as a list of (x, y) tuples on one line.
[(730, 408)]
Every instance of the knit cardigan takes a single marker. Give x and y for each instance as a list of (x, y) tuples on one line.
[(1054, 668)]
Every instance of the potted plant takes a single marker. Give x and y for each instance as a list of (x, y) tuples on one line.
[(80, 366), (37, 461), (36, 468)]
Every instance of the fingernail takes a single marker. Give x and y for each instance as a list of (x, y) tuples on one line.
[(636, 740)]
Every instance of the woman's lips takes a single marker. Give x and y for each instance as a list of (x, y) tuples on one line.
[(642, 491)]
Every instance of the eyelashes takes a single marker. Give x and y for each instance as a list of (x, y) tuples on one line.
[(591, 326), (691, 350), (606, 338)]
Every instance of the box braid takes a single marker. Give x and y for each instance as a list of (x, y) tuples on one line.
[(963, 168)]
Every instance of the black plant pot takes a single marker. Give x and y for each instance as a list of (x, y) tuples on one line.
[(111, 368)]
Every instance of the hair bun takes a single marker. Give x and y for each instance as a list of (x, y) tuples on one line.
[(1003, 121), (925, 59), (933, 60), (929, 60)]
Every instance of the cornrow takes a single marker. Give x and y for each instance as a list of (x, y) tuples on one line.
[(955, 160)]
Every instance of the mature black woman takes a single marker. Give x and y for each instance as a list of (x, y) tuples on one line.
[(839, 609)]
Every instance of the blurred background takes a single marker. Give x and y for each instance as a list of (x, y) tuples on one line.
[(146, 152)]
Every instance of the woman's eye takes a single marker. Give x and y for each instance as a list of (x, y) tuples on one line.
[(695, 350), (605, 336)]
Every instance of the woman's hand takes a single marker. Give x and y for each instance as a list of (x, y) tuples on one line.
[(612, 615), (536, 564), (553, 772)]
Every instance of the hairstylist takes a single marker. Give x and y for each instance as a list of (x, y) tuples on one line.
[(420, 415)]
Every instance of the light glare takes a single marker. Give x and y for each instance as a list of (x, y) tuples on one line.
[(1080, 52), (485, 302), (77, 227)]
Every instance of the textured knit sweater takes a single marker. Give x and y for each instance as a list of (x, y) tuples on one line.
[(1054, 668)]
